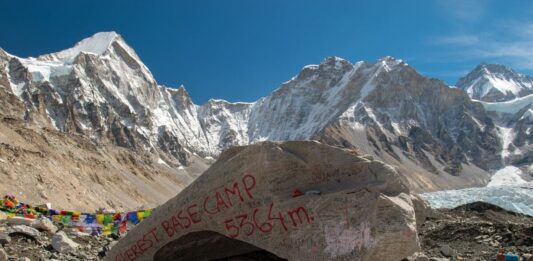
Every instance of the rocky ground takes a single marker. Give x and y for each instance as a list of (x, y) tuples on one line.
[(476, 231), (24, 239), (472, 232)]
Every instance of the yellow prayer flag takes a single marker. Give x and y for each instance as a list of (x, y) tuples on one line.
[(100, 219), (140, 215)]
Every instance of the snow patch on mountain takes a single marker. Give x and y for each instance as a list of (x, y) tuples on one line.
[(508, 176), (507, 136), (97, 44)]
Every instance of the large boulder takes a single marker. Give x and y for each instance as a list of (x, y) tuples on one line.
[(63, 244), (25, 231), (44, 224), (298, 200)]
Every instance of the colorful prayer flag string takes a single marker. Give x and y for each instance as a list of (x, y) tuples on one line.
[(95, 224)]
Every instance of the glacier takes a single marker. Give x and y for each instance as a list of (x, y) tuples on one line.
[(514, 198), (506, 189), (512, 106)]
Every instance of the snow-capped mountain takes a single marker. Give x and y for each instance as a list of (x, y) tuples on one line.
[(507, 97), (100, 89), (495, 83)]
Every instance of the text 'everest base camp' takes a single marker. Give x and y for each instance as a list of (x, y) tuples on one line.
[(363, 161)]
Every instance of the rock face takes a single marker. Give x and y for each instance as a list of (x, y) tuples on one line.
[(514, 122), (263, 200), (418, 124)]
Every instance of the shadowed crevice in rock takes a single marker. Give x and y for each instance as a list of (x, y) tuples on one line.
[(193, 246)]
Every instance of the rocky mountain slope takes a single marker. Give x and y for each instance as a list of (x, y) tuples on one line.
[(99, 91)]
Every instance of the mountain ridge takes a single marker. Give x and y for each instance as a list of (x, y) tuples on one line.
[(437, 136)]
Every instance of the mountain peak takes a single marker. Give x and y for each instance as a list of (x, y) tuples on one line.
[(335, 62), (390, 59), (96, 44), (389, 62), (495, 82), (488, 68)]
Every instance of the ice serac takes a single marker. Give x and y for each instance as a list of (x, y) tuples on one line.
[(495, 83), (263, 199)]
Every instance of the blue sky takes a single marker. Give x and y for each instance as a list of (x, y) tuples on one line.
[(243, 50)]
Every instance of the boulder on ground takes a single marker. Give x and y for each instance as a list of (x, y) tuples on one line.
[(44, 224), (63, 244), (3, 216), (26, 231), (447, 251), (296, 200)]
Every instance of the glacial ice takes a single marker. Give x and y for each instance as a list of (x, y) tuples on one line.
[(45, 70), (512, 106), (515, 198), (506, 189)]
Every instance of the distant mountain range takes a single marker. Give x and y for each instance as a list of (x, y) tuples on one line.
[(99, 93)]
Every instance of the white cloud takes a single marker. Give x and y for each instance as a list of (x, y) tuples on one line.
[(510, 42), (464, 10), (457, 39)]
